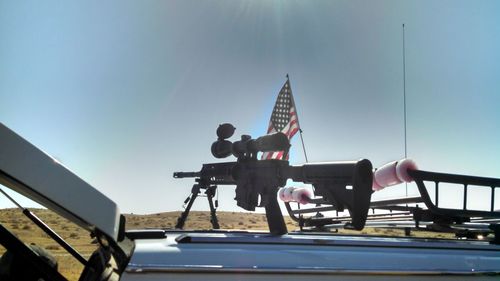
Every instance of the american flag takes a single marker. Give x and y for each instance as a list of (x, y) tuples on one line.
[(283, 119)]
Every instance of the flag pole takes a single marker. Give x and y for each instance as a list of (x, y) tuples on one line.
[(298, 123), (303, 147)]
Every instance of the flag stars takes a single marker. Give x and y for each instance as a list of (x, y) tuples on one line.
[(281, 112)]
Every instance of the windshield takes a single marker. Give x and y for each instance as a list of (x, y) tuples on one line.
[(351, 117)]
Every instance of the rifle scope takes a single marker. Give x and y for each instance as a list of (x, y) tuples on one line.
[(246, 146)]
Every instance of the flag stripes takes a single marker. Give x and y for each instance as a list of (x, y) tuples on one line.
[(283, 119)]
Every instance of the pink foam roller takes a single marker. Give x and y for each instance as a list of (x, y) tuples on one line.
[(386, 175), (288, 193), (281, 194), (402, 169), (301, 195), (376, 186), (285, 194)]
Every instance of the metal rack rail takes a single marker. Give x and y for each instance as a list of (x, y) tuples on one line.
[(421, 212)]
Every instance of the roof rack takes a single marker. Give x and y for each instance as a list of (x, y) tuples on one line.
[(407, 212)]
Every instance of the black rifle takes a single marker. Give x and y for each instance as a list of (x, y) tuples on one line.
[(342, 184)]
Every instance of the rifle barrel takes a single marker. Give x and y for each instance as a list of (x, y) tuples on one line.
[(179, 175)]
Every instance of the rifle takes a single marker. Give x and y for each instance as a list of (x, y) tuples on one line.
[(344, 184)]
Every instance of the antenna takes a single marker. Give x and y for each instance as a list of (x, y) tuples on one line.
[(404, 97)]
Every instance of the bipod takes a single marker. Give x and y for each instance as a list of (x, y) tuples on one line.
[(210, 191)]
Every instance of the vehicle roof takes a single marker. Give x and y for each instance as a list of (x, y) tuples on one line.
[(33, 173), (302, 253)]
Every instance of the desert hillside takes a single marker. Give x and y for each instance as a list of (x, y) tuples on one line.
[(201, 220)]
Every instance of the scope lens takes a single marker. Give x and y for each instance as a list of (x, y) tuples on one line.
[(221, 148)]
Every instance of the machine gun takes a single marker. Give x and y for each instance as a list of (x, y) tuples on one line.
[(345, 184)]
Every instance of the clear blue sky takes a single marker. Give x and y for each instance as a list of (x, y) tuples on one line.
[(126, 92)]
